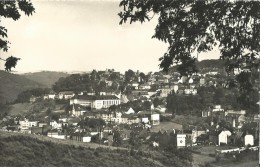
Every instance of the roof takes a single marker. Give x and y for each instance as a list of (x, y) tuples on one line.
[(67, 92), (94, 97)]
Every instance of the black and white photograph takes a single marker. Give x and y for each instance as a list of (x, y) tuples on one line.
[(129, 83)]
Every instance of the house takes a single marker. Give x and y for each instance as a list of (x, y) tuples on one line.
[(235, 117), (202, 82), (26, 124), (97, 102), (55, 125), (155, 119), (135, 85), (106, 116), (165, 92), (161, 108), (145, 120), (49, 96), (145, 86), (41, 124), (133, 119), (86, 137), (196, 134), (220, 137), (77, 110), (130, 111), (55, 134), (190, 91), (205, 113), (66, 95), (248, 139), (181, 140)]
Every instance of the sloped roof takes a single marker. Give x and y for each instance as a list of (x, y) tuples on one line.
[(94, 97)]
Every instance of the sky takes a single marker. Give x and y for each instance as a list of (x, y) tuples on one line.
[(71, 35)]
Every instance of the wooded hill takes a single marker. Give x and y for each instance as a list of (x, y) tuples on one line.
[(46, 78), (12, 84)]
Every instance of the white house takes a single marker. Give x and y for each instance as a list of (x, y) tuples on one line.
[(130, 111), (223, 136), (249, 139), (155, 119), (145, 86), (66, 95), (181, 140), (145, 120), (55, 125), (26, 124)]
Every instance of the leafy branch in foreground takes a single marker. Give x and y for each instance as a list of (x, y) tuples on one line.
[(10, 62), (199, 26), (11, 9)]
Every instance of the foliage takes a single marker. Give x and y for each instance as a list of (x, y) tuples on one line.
[(198, 26), (92, 123), (12, 9), (129, 75), (134, 141), (181, 104), (117, 140), (85, 82), (157, 102), (37, 92)]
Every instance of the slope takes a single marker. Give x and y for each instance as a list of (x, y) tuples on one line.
[(18, 149), (46, 78), (11, 85)]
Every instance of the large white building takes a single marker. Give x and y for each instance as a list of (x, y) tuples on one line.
[(96, 102)]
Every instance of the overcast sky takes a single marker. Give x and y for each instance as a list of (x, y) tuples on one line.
[(81, 36)]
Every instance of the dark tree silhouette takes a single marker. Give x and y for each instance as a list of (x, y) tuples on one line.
[(197, 26), (11, 9)]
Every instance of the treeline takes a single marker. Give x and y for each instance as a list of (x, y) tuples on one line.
[(37, 92), (87, 82), (207, 97)]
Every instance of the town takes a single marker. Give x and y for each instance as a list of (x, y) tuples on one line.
[(154, 110)]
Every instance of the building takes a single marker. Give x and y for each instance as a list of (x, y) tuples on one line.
[(155, 119), (249, 139), (66, 95), (235, 117), (77, 110), (26, 124), (181, 140), (97, 102)]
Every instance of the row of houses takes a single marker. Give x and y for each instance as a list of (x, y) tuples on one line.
[(235, 118)]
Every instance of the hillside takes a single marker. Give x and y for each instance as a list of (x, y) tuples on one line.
[(12, 84), (31, 150), (46, 78)]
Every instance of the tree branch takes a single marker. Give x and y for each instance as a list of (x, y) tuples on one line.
[(2, 59)]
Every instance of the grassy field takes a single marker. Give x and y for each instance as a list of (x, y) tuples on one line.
[(166, 126)]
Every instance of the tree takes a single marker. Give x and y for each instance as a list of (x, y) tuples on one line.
[(157, 102), (198, 26), (129, 75), (142, 77), (12, 9), (117, 140)]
